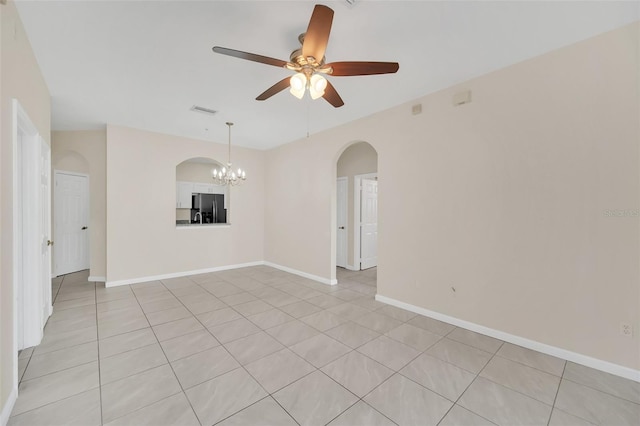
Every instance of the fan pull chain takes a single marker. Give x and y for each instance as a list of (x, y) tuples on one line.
[(308, 115)]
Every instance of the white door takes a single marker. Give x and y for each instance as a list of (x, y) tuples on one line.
[(341, 219), (45, 228), (32, 211), (369, 224), (71, 250)]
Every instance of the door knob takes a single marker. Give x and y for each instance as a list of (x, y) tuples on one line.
[(84, 227), (49, 243), (341, 227)]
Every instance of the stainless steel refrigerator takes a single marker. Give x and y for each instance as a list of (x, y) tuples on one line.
[(210, 207)]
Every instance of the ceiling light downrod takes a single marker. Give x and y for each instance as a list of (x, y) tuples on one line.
[(227, 176)]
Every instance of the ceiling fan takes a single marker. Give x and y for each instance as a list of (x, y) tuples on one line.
[(309, 63)]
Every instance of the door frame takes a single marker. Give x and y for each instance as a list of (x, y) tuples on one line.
[(56, 204), (344, 179), (357, 196), (31, 326)]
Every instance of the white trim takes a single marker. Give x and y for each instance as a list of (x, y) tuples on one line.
[(179, 274), (351, 268), (302, 274), (357, 187), (48, 293), (346, 225), (598, 364), (65, 172), (96, 279), (16, 248), (8, 407), (214, 269)]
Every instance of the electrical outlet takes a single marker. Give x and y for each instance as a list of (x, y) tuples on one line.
[(626, 329)]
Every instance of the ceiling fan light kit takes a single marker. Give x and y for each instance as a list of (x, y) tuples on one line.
[(309, 63), (298, 83)]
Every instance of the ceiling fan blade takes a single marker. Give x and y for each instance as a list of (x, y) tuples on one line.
[(276, 88), (331, 96), (250, 56), (363, 68), (317, 35)]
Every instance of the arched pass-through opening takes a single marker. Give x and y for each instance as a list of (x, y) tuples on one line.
[(198, 200), (355, 223)]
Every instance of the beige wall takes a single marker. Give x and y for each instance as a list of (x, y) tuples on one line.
[(360, 158), (141, 231), (20, 78), (503, 198), (86, 152)]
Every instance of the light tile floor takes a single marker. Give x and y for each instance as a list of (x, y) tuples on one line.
[(258, 346)]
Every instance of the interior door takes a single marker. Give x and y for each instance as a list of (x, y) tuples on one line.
[(72, 221), (45, 228), (341, 219), (369, 224)]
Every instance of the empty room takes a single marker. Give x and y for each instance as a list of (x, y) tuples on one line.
[(350, 212)]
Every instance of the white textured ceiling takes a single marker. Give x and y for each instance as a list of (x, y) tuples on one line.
[(143, 64)]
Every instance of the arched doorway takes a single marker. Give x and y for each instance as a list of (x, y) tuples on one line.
[(356, 215)]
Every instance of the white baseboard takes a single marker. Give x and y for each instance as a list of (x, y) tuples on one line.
[(302, 274), (179, 274), (215, 269), (8, 406), (352, 268), (96, 279), (598, 364)]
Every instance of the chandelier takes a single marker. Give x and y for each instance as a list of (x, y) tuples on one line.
[(227, 176)]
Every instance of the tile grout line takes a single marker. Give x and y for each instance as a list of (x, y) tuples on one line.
[(21, 378), (555, 398), (361, 399), (467, 388), (269, 394), (420, 353), (596, 389), (165, 356), (53, 372), (221, 345), (95, 295)]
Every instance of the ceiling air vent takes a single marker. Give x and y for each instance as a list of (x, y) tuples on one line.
[(203, 110)]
